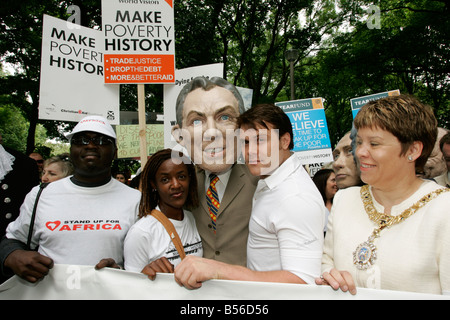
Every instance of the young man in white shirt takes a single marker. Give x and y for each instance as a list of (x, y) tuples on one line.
[(286, 225)]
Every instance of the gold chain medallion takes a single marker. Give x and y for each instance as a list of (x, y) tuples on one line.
[(366, 253)]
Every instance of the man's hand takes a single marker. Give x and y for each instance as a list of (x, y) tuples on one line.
[(161, 265), (107, 263), (29, 265), (192, 271)]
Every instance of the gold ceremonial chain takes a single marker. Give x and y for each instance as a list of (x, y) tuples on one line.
[(366, 253)]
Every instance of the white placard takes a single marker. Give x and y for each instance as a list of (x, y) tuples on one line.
[(71, 82), (139, 41)]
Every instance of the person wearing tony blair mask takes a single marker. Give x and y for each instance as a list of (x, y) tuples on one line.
[(81, 219), (207, 112)]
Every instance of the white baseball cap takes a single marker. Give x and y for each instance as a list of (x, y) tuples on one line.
[(94, 124)]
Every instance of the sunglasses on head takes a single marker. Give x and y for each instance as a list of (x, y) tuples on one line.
[(98, 141)]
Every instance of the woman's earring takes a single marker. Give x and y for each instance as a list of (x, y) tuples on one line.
[(410, 158)]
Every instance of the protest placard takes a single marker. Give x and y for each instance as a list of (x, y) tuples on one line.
[(358, 102), (71, 79), (139, 41), (311, 137), (128, 140)]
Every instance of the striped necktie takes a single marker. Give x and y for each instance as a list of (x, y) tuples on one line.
[(212, 199)]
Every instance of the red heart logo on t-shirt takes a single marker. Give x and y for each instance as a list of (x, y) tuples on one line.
[(52, 225)]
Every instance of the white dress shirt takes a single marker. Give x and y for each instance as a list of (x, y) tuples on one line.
[(286, 225)]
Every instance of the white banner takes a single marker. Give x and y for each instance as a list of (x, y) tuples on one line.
[(69, 282)]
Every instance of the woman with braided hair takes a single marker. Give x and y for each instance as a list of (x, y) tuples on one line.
[(169, 187)]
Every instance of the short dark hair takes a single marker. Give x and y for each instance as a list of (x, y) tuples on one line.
[(444, 139), (406, 118), (150, 198), (267, 113), (320, 179)]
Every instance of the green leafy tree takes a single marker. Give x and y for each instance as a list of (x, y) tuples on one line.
[(408, 50), (13, 128), (341, 55)]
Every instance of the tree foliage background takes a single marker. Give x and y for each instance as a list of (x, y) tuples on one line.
[(345, 49)]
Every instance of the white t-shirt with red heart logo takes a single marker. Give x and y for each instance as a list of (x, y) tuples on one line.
[(78, 225)]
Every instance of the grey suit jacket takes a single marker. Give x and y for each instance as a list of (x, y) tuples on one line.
[(229, 243)]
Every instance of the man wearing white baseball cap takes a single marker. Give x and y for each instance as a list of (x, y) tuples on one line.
[(94, 124), (81, 219)]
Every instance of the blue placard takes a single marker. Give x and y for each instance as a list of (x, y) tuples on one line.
[(358, 103), (310, 130), (309, 124)]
